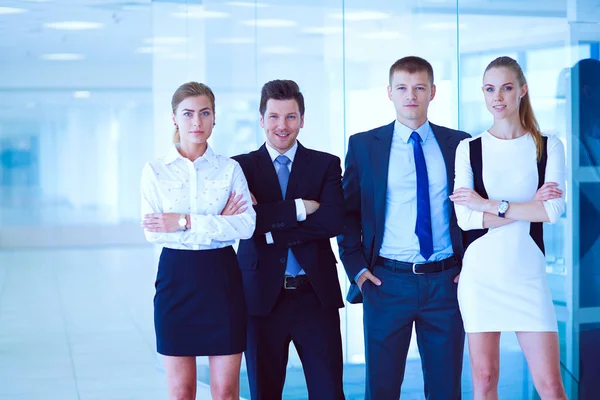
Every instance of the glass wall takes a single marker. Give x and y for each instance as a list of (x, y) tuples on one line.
[(85, 100)]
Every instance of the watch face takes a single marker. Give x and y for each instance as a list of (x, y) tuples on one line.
[(503, 206), (182, 222)]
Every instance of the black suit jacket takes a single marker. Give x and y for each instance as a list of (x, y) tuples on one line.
[(365, 186), (315, 176)]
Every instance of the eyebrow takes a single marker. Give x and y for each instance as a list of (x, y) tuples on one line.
[(508, 83), (202, 109)]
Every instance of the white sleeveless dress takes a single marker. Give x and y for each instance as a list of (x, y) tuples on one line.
[(503, 284)]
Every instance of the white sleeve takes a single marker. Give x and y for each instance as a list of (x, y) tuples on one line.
[(467, 219), (555, 172), (300, 210), (228, 227), (151, 204)]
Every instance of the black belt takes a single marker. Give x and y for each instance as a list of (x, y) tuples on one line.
[(295, 282), (415, 268)]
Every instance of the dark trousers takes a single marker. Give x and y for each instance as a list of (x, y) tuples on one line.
[(389, 311), (297, 317)]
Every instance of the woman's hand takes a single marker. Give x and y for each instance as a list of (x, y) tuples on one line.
[(548, 191), (469, 198), (164, 223), (235, 205)]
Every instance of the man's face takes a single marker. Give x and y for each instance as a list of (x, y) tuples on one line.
[(411, 94), (282, 123)]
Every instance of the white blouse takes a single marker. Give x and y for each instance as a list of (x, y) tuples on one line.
[(174, 184)]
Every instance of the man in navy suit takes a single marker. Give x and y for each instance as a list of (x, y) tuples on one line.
[(288, 267), (401, 245)]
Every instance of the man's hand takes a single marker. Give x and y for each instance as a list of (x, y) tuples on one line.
[(367, 275), (234, 205), (164, 223), (311, 206), (456, 278)]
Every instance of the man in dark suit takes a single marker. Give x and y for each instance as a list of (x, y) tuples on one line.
[(288, 267), (401, 245)]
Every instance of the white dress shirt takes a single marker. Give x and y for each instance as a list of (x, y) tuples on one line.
[(174, 184)]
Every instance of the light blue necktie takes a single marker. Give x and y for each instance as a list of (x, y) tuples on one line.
[(423, 227), (283, 174)]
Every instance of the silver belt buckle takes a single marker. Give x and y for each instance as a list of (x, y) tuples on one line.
[(285, 284), (414, 266)]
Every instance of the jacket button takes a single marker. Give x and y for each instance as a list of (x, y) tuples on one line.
[(282, 260), (274, 226)]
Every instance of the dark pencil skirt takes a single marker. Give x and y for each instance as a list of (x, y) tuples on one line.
[(199, 307)]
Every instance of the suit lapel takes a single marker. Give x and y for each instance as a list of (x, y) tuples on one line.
[(267, 175), (301, 160), (380, 157), (447, 145)]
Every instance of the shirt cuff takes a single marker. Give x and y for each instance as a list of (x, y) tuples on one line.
[(269, 237), (300, 210), (360, 273), (201, 229)]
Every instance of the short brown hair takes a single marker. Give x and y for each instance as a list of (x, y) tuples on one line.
[(412, 64), (281, 89), (190, 89)]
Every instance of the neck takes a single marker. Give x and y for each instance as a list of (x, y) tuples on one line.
[(508, 128), (412, 124), (193, 151)]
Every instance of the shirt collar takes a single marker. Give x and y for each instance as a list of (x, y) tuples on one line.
[(403, 132), (291, 153), (174, 154)]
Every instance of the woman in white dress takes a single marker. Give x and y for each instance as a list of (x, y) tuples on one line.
[(509, 180)]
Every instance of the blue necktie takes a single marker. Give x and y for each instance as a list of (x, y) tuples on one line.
[(423, 226), (283, 174)]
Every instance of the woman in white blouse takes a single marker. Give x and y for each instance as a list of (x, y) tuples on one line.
[(195, 204), (509, 180)]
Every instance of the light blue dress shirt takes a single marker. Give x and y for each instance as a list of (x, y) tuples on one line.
[(399, 239)]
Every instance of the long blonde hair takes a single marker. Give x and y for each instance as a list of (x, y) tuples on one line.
[(190, 89), (526, 115)]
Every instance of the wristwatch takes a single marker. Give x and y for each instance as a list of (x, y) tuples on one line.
[(502, 208), (182, 222)]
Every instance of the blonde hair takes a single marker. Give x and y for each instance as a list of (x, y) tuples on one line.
[(526, 115), (190, 89)]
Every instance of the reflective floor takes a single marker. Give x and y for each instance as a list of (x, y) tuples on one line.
[(77, 324)]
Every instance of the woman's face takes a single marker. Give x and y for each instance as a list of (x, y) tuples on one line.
[(502, 92), (195, 118)]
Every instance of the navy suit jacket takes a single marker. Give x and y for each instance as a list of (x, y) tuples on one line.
[(315, 176), (365, 186)]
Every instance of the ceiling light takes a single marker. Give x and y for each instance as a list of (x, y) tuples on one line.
[(74, 25), (12, 10), (235, 40), (82, 94), (166, 40), (324, 30), (37, 1), (245, 4), (278, 50), (270, 23), (153, 50), (63, 57), (198, 12), (361, 15)]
